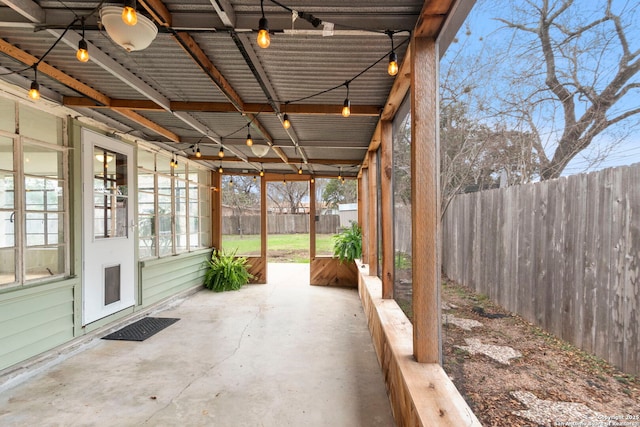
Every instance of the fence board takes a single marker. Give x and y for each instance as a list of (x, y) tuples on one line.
[(632, 281), (564, 254), (279, 224), (619, 231)]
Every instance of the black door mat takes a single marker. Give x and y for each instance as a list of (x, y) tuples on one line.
[(142, 329)]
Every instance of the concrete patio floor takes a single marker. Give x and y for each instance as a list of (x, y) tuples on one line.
[(282, 354)]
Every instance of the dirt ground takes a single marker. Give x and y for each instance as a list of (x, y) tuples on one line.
[(551, 369)]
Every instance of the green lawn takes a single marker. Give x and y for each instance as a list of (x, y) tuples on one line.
[(283, 247)]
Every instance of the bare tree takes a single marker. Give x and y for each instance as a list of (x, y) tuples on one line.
[(589, 70), (240, 193), (558, 79), (288, 195)]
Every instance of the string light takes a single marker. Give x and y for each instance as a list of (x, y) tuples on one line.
[(261, 171), (34, 91), (264, 40), (300, 170), (313, 180), (220, 170), (392, 69), (221, 152), (340, 175), (129, 15), (255, 178), (198, 152), (82, 54), (231, 182), (285, 119), (346, 107), (249, 140)]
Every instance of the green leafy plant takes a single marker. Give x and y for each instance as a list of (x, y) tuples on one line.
[(347, 245), (226, 272)]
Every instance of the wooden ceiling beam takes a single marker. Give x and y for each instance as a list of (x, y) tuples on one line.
[(432, 18), (197, 54), (54, 73), (158, 11), (194, 50), (143, 121), (271, 160), (330, 110), (226, 107), (93, 95)]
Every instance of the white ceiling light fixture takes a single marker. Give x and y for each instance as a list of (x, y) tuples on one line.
[(136, 37), (260, 150)]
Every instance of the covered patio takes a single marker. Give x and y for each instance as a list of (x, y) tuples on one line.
[(282, 354), (118, 142)]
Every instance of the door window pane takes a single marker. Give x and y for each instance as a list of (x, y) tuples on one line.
[(110, 194)]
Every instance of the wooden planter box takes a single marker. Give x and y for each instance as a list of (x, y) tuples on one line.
[(327, 271)]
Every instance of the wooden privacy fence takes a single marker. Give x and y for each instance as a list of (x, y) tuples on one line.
[(564, 254), (279, 224)]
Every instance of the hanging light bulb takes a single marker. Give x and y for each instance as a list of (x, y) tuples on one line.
[(175, 162), (392, 69), (249, 140), (255, 178), (220, 170), (129, 15), (198, 152), (82, 54), (231, 182), (264, 40), (261, 172), (172, 163), (221, 152), (393, 64), (346, 107), (285, 121), (300, 170), (313, 180), (34, 92)]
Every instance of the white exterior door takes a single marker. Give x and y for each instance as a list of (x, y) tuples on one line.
[(108, 279)]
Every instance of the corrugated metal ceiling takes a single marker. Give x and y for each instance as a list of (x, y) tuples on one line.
[(300, 62)]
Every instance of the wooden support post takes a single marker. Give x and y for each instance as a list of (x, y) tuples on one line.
[(360, 201), (364, 192), (263, 219), (312, 220), (372, 222), (425, 206), (216, 210), (386, 204)]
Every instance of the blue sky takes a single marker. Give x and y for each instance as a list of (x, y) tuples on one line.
[(484, 36)]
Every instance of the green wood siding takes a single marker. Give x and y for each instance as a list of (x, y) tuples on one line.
[(165, 277), (34, 320)]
